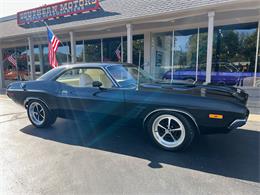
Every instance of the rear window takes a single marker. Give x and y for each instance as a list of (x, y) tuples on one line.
[(51, 73)]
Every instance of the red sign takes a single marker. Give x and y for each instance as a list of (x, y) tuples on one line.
[(64, 8)]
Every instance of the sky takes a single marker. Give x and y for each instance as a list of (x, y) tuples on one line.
[(10, 7)]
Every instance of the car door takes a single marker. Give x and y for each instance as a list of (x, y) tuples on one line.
[(99, 102), (66, 100), (78, 98)]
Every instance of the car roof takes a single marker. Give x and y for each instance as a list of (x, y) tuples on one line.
[(103, 65), (52, 73)]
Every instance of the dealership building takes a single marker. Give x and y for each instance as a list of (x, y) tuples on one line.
[(206, 40)]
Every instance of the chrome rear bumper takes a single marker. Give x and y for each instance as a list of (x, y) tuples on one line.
[(237, 123)]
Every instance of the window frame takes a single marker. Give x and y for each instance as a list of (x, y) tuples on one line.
[(115, 85)]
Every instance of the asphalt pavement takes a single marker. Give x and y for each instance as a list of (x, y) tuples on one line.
[(87, 158)]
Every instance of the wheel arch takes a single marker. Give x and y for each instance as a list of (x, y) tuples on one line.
[(28, 99), (183, 113)]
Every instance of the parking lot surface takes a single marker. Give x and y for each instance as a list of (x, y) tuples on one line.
[(86, 158)]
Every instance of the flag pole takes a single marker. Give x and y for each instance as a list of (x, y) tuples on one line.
[(59, 39)]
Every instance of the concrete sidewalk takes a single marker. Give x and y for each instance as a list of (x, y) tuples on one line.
[(254, 117), (254, 100)]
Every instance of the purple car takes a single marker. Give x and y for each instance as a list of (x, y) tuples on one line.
[(227, 75)]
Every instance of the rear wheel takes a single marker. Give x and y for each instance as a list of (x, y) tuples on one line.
[(39, 115), (171, 131)]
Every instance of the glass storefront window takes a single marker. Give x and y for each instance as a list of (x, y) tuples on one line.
[(234, 54), (37, 59), (125, 49), (185, 49), (22, 63), (202, 56), (187, 64), (110, 47), (46, 64), (161, 53), (185, 55), (138, 50), (93, 50), (15, 64), (10, 69), (80, 51), (63, 53)]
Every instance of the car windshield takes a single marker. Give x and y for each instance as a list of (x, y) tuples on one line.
[(127, 76)]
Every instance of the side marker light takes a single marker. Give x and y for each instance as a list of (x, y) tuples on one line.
[(216, 116)]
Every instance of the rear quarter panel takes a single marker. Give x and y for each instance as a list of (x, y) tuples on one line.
[(43, 90)]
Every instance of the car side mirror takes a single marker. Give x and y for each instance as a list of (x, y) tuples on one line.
[(97, 84)]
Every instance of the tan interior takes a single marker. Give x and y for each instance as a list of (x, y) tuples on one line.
[(86, 77), (99, 75)]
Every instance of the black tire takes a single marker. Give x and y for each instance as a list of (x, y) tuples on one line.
[(53, 118), (189, 128), (50, 117)]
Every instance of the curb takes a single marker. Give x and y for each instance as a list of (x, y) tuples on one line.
[(254, 117)]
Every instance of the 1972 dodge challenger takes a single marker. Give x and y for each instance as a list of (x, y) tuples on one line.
[(172, 114)]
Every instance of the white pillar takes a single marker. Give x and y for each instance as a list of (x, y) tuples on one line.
[(41, 59), (73, 48), (147, 52), (211, 16), (129, 43), (2, 79), (257, 53), (31, 57)]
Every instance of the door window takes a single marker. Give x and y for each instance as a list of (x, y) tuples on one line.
[(84, 77)]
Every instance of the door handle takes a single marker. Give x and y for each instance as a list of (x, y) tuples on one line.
[(65, 92)]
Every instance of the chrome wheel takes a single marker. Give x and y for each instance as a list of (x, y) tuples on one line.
[(168, 131), (37, 113)]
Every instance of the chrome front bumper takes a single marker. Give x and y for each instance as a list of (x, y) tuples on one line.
[(237, 123)]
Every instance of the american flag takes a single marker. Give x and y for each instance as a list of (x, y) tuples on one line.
[(118, 53), (53, 44), (12, 60)]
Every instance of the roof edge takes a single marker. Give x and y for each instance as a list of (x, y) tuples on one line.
[(8, 18)]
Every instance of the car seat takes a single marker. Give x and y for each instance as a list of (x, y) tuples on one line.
[(85, 80)]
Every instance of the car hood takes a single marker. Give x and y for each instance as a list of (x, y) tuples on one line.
[(212, 91)]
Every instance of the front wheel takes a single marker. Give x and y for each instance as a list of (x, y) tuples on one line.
[(39, 115), (171, 131)]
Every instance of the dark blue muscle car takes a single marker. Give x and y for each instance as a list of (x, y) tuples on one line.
[(172, 114)]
